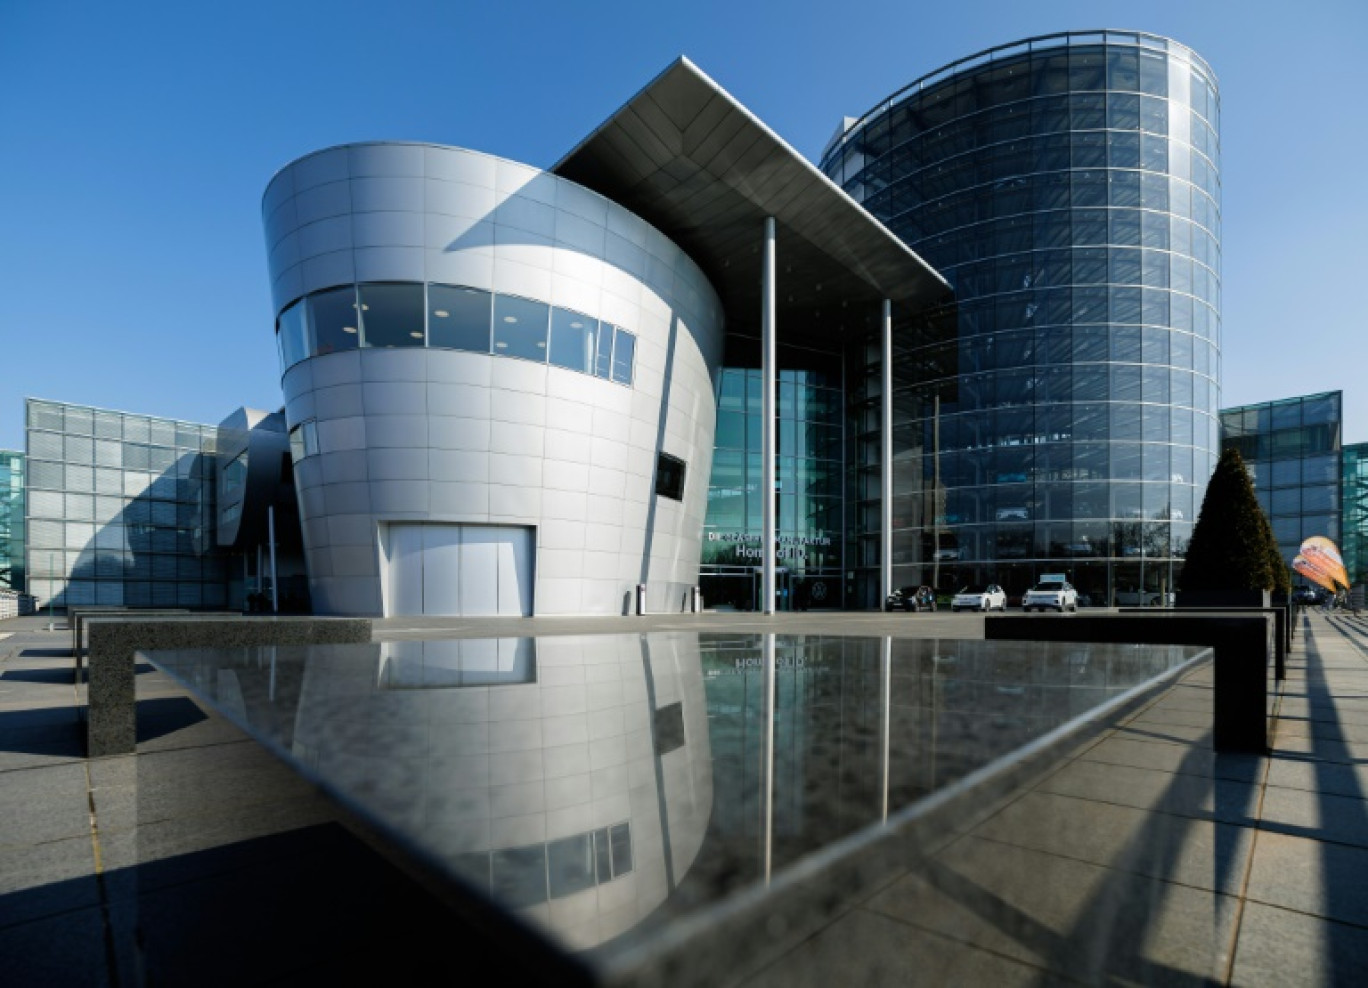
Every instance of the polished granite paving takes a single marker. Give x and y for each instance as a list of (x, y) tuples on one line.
[(1141, 857)]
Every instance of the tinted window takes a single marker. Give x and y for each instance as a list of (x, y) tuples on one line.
[(518, 875), (604, 352), (571, 862), (520, 327), (574, 337), (670, 477), (458, 318), (293, 330), (624, 350), (391, 315), (333, 315)]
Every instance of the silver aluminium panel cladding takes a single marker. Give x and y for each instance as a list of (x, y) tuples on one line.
[(602, 350)]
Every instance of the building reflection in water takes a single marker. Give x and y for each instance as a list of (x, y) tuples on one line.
[(601, 784)]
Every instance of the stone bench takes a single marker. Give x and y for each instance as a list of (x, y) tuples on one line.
[(111, 705), (78, 616), (76, 621), (1244, 644), (1280, 615)]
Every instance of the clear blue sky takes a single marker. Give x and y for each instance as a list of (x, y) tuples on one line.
[(138, 137)]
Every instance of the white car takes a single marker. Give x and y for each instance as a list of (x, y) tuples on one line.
[(980, 598), (1055, 595)]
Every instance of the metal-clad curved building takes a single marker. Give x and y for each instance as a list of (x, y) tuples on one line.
[(490, 373), (1061, 414), (501, 383)]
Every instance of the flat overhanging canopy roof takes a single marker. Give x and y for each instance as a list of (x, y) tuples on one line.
[(689, 159)]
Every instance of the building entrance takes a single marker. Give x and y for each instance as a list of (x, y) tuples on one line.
[(783, 588)]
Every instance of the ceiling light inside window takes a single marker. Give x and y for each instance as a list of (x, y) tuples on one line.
[(416, 335), (510, 318), (577, 325), (440, 313), (349, 329), (501, 346)]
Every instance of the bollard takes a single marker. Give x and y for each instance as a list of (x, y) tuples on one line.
[(641, 598), (697, 600)]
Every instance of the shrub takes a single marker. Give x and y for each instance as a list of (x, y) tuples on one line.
[(1232, 542)]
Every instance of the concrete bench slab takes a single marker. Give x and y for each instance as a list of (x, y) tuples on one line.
[(111, 721), (1244, 645)]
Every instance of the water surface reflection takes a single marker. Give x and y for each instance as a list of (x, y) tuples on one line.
[(603, 786)]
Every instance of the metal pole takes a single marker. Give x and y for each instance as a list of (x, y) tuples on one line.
[(886, 455), (52, 575), (937, 497), (768, 371), (767, 768), (270, 534), (886, 714)]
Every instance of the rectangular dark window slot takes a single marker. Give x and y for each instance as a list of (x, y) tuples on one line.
[(670, 476), (669, 728)]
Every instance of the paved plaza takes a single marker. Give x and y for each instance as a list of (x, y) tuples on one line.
[(1216, 868)]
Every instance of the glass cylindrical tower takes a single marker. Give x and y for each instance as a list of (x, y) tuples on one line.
[(1060, 415)]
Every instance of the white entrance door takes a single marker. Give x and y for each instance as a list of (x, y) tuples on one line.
[(405, 569), (441, 568), (459, 570)]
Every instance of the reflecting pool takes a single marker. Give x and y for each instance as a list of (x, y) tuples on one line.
[(613, 790)]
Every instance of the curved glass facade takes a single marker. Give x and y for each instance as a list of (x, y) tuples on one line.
[(1060, 415)]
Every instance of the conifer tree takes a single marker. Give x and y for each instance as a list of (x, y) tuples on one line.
[(1230, 543)]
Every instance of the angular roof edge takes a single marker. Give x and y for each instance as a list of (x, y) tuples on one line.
[(690, 159)]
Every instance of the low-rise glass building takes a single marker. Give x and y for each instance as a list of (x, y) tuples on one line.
[(1292, 448), (1354, 512), (117, 509), (12, 520)]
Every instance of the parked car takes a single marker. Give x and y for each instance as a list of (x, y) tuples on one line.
[(1307, 595), (989, 597), (1052, 595), (921, 598)]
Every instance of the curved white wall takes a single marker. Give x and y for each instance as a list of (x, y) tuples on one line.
[(428, 435)]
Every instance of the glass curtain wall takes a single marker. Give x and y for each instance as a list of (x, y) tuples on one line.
[(116, 506), (11, 520), (1354, 512), (1292, 450), (1059, 416), (807, 499)]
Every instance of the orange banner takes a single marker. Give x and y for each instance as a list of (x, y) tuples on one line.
[(1307, 569), (1325, 556)]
